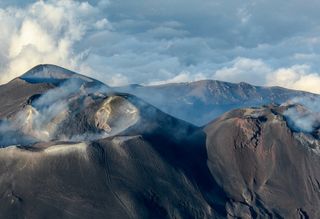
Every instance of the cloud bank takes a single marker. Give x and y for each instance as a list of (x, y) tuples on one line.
[(153, 42)]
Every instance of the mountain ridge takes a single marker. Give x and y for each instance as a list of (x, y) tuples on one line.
[(74, 148), (202, 101)]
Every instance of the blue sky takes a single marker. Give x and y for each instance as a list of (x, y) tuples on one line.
[(152, 42)]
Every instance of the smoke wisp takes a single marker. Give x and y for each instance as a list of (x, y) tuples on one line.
[(304, 115), (75, 110)]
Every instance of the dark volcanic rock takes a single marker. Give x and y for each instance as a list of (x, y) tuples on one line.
[(262, 165), (16, 94)]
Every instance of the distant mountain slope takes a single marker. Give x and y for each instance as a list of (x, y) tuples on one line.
[(201, 101)]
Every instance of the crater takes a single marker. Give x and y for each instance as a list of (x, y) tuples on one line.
[(116, 114)]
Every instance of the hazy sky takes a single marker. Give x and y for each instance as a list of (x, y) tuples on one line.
[(263, 42)]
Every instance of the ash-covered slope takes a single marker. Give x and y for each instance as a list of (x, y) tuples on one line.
[(16, 94), (201, 101), (74, 149), (72, 107), (268, 167)]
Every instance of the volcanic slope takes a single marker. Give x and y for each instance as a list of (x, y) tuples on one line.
[(73, 149), (267, 166)]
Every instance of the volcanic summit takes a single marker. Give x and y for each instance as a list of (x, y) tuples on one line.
[(73, 147)]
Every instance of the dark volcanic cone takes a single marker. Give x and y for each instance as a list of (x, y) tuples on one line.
[(266, 168)]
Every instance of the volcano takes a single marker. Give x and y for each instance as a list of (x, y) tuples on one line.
[(72, 147), (201, 101)]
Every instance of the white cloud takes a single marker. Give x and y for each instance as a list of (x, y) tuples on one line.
[(298, 77), (152, 42), (182, 77), (103, 23), (44, 32), (244, 70)]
